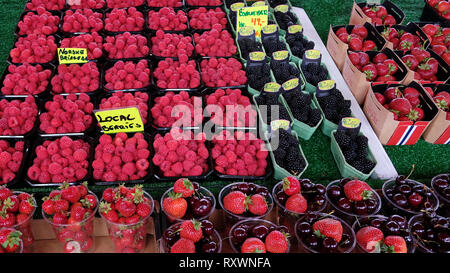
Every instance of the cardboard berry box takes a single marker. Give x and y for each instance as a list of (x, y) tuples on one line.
[(409, 28), (358, 17), (430, 14), (439, 130)]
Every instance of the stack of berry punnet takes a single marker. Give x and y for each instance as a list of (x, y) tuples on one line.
[(217, 42), (121, 158), (182, 74), (284, 70), (127, 211), (26, 79), (288, 154), (240, 112), (124, 3), (76, 78), (379, 15), (285, 19), (10, 241), (67, 114), (439, 41), (298, 44), (300, 105), (56, 160), (207, 3), (355, 150), (82, 20), (127, 99), (401, 39), (247, 45), (334, 106), (273, 44), (203, 18), (86, 4), (165, 3), (47, 4), (11, 156), (167, 19), (358, 39), (40, 22), (239, 154), (123, 75), (124, 20), (441, 185), (430, 232), (258, 75), (33, 48), (93, 42), (70, 210), (324, 233), (381, 234), (16, 211), (379, 68), (425, 67), (126, 45), (188, 110), (171, 45), (222, 72), (315, 73), (18, 116), (265, 101), (187, 200), (179, 153), (259, 236), (192, 236)]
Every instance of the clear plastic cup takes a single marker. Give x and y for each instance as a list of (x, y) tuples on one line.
[(165, 247), (444, 203), (250, 222), (350, 217), (229, 218), (189, 215), (25, 228), (76, 237), (420, 246), (347, 229), (131, 238), (357, 225), (20, 248), (395, 209)]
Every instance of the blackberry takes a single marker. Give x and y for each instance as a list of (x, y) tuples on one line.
[(334, 106), (272, 44), (258, 75), (248, 45), (343, 139), (298, 44), (284, 71), (363, 142), (274, 3), (272, 100), (293, 161), (285, 19), (315, 73), (300, 105), (231, 2), (314, 117)]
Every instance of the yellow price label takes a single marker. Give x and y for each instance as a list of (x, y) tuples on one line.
[(72, 55), (350, 122), (259, 4), (269, 29), (234, 7), (120, 120), (280, 124), (294, 29), (280, 55), (272, 87), (326, 85), (253, 16), (290, 84), (257, 55), (246, 31), (312, 54), (282, 8)]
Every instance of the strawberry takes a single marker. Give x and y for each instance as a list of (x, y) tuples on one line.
[(370, 238), (369, 45), (410, 61), (401, 106), (191, 230), (381, 99), (48, 206), (430, 29), (70, 193), (420, 54), (253, 245), (257, 204), (395, 244), (4, 192), (414, 101), (27, 206), (392, 65), (10, 239), (382, 69), (110, 214), (90, 201), (370, 71), (183, 246), (143, 209), (360, 30), (354, 58), (357, 190), (174, 205), (183, 186), (328, 227), (392, 93), (355, 43), (442, 99), (126, 208), (291, 185), (429, 91), (363, 58), (277, 242), (235, 202), (389, 20), (416, 114), (340, 31), (379, 58), (296, 203)]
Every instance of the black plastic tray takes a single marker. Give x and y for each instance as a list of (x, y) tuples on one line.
[(36, 123), (142, 10), (101, 11), (53, 12)]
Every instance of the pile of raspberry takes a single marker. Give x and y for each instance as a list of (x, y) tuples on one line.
[(47, 4), (215, 43), (171, 45), (121, 99), (188, 109), (177, 74), (221, 72), (178, 153), (34, 48), (121, 158), (203, 18), (40, 22), (126, 45), (127, 75), (76, 78), (124, 20), (240, 154), (93, 42), (26, 79), (67, 114), (124, 3), (86, 4), (10, 159), (61, 160), (240, 112), (167, 19), (164, 3), (82, 20), (209, 3), (17, 117)]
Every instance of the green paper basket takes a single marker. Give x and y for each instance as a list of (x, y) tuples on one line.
[(244, 61), (309, 87), (346, 169), (326, 126)]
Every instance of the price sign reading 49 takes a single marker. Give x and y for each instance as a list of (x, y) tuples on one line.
[(256, 17)]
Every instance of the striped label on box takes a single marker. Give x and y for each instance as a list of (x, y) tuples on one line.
[(407, 133)]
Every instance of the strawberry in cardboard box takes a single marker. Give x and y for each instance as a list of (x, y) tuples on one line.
[(385, 13), (439, 130)]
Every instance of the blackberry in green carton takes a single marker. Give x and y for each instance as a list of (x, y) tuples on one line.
[(297, 42), (258, 75), (270, 100), (315, 73), (300, 105), (283, 70), (334, 106), (288, 155), (285, 17)]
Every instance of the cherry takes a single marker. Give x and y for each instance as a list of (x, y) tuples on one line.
[(371, 205), (282, 197), (320, 188), (344, 204), (334, 192), (392, 228), (303, 229), (444, 238), (440, 184), (418, 228), (210, 247), (196, 186), (344, 181), (446, 193), (307, 186), (418, 189), (400, 180), (283, 229), (193, 200), (244, 187), (260, 231), (170, 237), (329, 244), (400, 220), (390, 193), (251, 188), (319, 200), (262, 191), (360, 207), (207, 227), (310, 218), (202, 207), (442, 224), (304, 181), (427, 205), (405, 189), (345, 240), (400, 200), (415, 199), (429, 233), (239, 235), (312, 241), (376, 222), (428, 193)]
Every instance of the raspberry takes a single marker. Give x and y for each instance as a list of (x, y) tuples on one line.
[(163, 45), (164, 3), (46, 4), (222, 72), (124, 3), (41, 22), (203, 18), (215, 43), (93, 42), (134, 20), (126, 45), (82, 4), (17, 116), (168, 73), (34, 48), (167, 19), (117, 100), (75, 78), (204, 2), (128, 75), (82, 20)]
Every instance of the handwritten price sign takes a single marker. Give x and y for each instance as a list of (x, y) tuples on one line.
[(256, 17)]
